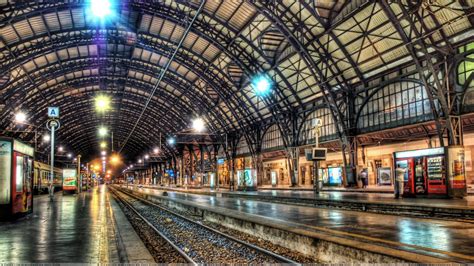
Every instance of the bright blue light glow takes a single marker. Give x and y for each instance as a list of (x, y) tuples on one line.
[(171, 141), (262, 85), (101, 8)]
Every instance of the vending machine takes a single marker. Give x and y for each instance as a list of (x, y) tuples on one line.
[(433, 172)]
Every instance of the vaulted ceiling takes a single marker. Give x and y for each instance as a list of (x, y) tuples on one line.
[(55, 53)]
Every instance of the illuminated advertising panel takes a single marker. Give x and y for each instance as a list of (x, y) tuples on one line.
[(69, 179), (5, 171)]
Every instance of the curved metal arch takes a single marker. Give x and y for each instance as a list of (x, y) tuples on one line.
[(67, 105), (201, 35), (339, 44), (138, 84), (328, 96), (148, 70), (73, 139), (240, 103), (378, 88), (305, 119), (265, 131), (170, 125), (236, 59)]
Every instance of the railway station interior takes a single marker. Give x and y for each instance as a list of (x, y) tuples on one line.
[(237, 132)]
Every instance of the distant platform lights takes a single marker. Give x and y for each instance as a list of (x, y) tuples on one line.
[(102, 131), (103, 145), (262, 85)]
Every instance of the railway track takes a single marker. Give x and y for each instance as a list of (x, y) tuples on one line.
[(194, 242)]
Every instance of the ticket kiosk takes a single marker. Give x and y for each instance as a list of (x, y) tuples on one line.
[(433, 172), (16, 178)]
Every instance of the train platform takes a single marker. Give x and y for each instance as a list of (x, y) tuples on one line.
[(85, 228), (406, 238), (372, 202)]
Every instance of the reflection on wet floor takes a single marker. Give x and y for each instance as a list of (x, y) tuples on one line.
[(447, 236), (73, 228)]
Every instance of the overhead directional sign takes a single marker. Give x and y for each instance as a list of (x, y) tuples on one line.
[(53, 112)]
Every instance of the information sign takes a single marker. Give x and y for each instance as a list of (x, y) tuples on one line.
[(53, 112)]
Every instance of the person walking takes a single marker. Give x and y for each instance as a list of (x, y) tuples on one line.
[(399, 179), (365, 178)]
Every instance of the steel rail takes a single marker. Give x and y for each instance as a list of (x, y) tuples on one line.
[(179, 250), (249, 245)]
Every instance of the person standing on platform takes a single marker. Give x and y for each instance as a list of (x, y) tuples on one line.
[(364, 176), (399, 179)]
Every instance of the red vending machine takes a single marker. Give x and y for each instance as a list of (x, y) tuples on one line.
[(16, 178), (433, 172)]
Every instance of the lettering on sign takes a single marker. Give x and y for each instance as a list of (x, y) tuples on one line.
[(53, 112)]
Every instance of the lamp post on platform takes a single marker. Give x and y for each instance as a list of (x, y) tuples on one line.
[(52, 125)]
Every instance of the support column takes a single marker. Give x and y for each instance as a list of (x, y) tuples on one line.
[(293, 162), (349, 155), (257, 164), (201, 156)]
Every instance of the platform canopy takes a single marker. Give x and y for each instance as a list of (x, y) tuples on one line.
[(65, 54)]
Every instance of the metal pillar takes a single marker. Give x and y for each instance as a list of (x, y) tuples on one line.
[(51, 173)]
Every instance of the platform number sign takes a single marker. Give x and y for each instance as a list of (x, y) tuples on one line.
[(53, 112)]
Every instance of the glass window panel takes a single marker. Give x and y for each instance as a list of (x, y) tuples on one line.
[(419, 108)]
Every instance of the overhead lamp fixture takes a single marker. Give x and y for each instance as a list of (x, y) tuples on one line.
[(69, 155), (261, 85), (156, 150), (131, 166), (20, 117), (102, 103), (140, 161), (101, 8), (103, 153), (147, 156), (102, 131), (60, 149), (171, 141), (198, 124)]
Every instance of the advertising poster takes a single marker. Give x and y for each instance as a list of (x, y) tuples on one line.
[(456, 168), (335, 175), (69, 179), (323, 175), (384, 176), (5, 171)]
